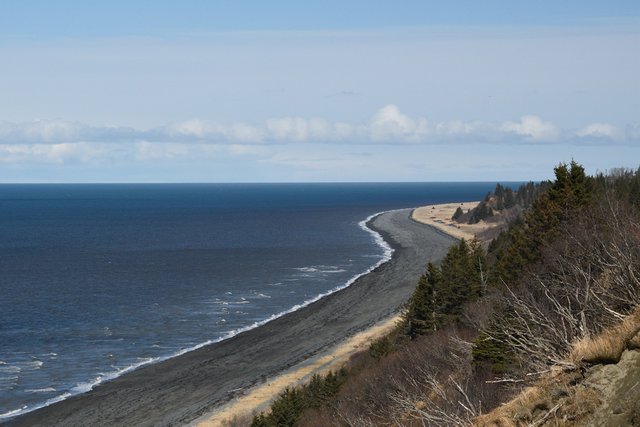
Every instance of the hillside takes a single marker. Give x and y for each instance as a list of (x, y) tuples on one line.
[(539, 329)]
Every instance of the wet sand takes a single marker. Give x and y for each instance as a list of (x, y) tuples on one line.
[(181, 389)]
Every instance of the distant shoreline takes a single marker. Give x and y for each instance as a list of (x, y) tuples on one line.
[(439, 216), (181, 389)]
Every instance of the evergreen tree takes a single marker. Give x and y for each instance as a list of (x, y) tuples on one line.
[(571, 190), (509, 199), (457, 214), (481, 212), (422, 314), (442, 291)]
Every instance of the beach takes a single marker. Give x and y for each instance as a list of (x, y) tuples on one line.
[(259, 398), (180, 390), (440, 216)]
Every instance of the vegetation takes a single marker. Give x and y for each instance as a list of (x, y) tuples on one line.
[(457, 214), (505, 201), (559, 289), (442, 291), (480, 212), (288, 407)]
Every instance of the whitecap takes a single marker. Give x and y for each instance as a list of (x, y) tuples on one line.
[(322, 269), (306, 269), (40, 390), (13, 412), (10, 369), (33, 365), (83, 387)]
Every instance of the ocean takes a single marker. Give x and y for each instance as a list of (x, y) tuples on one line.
[(98, 279)]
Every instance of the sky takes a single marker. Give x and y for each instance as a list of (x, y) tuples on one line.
[(290, 91)]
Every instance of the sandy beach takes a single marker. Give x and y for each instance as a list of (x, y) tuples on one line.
[(191, 386), (439, 216), (259, 398)]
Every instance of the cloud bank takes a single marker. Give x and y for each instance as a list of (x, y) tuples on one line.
[(388, 125)]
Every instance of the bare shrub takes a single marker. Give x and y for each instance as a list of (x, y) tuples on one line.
[(589, 280), (428, 381)]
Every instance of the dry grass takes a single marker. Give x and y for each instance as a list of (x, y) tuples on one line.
[(554, 400), (508, 414), (607, 347), (559, 396)]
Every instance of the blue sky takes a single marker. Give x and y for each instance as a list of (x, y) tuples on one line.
[(250, 91)]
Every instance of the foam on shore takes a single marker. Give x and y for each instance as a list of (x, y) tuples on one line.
[(87, 386)]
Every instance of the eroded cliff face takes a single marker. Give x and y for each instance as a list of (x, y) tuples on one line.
[(618, 385), (598, 395)]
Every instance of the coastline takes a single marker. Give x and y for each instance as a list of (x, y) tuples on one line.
[(88, 386), (439, 217), (191, 384), (258, 398)]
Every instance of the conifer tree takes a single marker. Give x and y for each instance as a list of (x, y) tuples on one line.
[(457, 214), (571, 190), (422, 314)]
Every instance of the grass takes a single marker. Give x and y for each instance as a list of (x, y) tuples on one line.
[(559, 395), (607, 347)]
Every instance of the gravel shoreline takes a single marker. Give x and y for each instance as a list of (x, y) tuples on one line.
[(178, 390)]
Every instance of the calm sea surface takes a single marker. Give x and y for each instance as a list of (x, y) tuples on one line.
[(96, 280)]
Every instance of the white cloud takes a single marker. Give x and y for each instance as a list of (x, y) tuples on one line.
[(533, 128), (67, 152), (64, 141), (195, 128), (601, 130), (389, 124)]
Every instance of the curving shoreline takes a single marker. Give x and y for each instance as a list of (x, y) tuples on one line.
[(181, 389)]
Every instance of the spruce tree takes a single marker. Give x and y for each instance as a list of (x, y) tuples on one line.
[(422, 313), (457, 214)]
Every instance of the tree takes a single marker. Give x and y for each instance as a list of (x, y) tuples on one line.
[(442, 291), (422, 315), (457, 214), (481, 212), (571, 190), (509, 199)]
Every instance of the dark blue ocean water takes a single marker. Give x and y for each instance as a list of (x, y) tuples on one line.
[(98, 279)]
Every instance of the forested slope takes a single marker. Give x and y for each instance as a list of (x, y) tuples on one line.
[(529, 322)]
